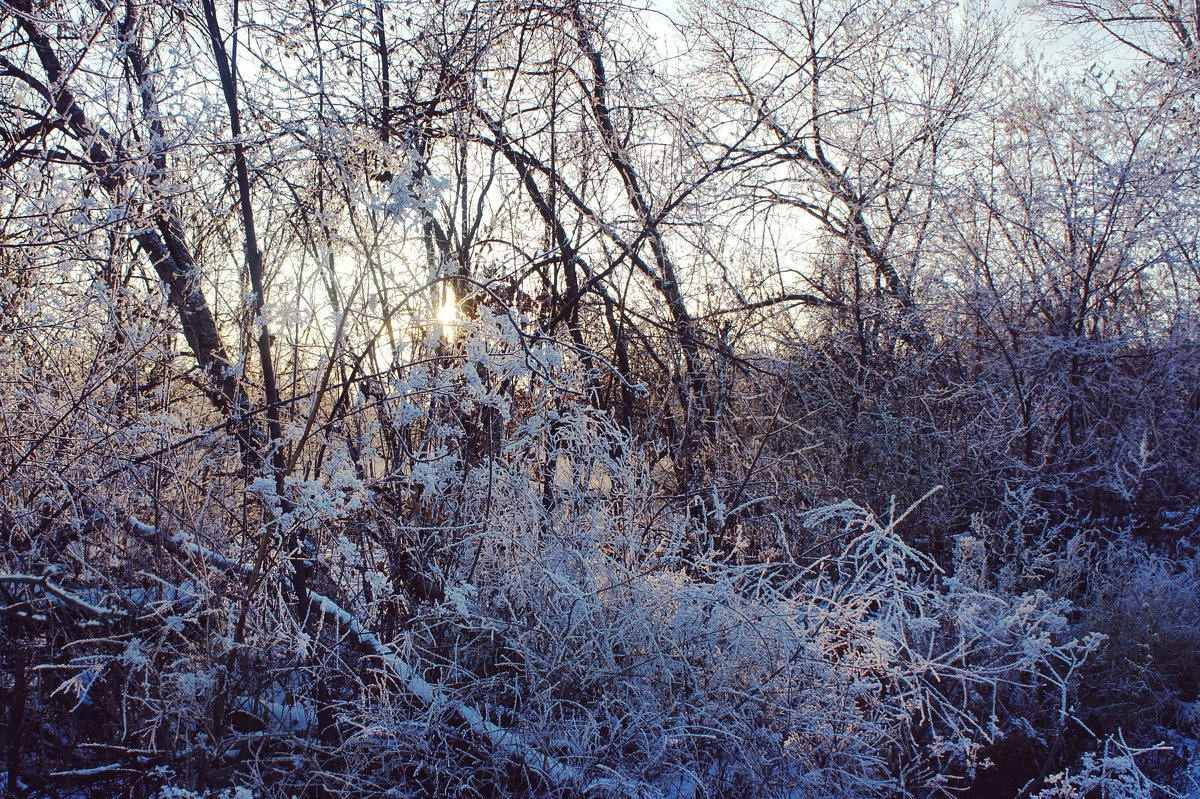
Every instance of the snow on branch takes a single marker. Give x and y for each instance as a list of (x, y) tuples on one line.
[(501, 740), (178, 544), (61, 596), (504, 741)]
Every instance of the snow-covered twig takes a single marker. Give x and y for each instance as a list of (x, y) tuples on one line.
[(61, 595), (551, 769), (501, 740), (179, 545)]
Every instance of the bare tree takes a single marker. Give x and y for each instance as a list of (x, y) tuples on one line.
[(55, 131)]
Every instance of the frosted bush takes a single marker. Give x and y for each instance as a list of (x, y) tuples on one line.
[(858, 674), (487, 586), (1112, 773)]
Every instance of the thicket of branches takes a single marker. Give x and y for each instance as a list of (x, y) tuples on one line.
[(494, 398)]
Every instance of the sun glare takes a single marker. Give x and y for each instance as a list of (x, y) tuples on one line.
[(448, 314)]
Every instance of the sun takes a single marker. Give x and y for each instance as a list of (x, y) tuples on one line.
[(447, 314)]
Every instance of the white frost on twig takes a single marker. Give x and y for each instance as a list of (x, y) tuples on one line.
[(502, 740)]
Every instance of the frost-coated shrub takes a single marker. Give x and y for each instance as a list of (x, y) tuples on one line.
[(1111, 773), (1147, 678), (481, 587), (858, 674)]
